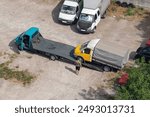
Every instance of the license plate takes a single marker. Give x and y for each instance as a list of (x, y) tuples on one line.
[(83, 30), (64, 21)]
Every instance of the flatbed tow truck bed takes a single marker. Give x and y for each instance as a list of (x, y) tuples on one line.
[(61, 50), (50, 47)]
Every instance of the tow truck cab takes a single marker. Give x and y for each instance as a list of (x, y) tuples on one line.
[(85, 51), (70, 11), (23, 41), (107, 54)]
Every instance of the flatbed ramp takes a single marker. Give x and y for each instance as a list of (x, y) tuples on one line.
[(53, 48)]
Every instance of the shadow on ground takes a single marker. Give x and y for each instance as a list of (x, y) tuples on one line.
[(144, 27), (98, 94), (56, 10), (13, 46), (70, 69)]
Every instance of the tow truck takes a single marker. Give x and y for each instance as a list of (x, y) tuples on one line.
[(100, 57)]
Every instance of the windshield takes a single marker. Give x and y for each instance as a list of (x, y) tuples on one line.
[(84, 45), (86, 17), (68, 9)]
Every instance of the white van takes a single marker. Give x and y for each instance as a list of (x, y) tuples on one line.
[(91, 14), (70, 11)]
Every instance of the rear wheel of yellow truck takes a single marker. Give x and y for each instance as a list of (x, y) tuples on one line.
[(106, 68)]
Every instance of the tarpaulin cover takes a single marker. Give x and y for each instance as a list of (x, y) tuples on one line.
[(111, 53)]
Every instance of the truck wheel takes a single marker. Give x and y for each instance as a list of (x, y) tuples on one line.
[(80, 59), (53, 58), (124, 4), (118, 2), (104, 15), (106, 68), (131, 5)]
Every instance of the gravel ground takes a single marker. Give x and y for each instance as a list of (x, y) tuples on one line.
[(55, 79)]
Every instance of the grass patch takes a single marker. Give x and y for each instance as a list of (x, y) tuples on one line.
[(23, 76), (134, 11)]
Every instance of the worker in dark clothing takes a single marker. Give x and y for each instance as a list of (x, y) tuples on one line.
[(78, 66)]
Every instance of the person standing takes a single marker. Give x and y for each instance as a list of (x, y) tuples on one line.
[(78, 65)]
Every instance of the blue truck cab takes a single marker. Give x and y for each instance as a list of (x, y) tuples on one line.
[(23, 41)]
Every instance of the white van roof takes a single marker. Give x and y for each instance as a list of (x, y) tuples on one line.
[(92, 4)]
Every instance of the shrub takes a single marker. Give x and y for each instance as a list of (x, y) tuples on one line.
[(138, 86)]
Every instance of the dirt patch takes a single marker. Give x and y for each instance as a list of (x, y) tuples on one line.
[(129, 13), (46, 1), (53, 80)]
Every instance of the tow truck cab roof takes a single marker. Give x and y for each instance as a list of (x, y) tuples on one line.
[(31, 31), (93, 43)]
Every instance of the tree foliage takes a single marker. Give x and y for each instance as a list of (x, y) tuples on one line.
[(138, 86)]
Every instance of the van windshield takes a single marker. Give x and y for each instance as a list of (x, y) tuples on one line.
[(84, 45), (68, 9), (87, 17)]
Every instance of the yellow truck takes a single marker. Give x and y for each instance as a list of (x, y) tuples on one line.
[(103, 54)]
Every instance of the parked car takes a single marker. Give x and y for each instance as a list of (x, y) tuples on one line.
[(70, 11), (143, 52)]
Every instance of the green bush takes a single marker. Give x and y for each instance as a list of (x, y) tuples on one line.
[(138, 86)]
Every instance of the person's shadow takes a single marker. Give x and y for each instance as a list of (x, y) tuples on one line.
[(70, 69)]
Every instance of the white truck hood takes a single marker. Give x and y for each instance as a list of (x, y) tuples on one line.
[(66, 16)]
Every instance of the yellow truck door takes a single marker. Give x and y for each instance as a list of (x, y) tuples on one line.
[(87, 54)]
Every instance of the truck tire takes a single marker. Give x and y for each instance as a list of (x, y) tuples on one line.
[(106, 68), (131, 5), (118, 2), (124, 4), (104, 15), (53, 58)]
